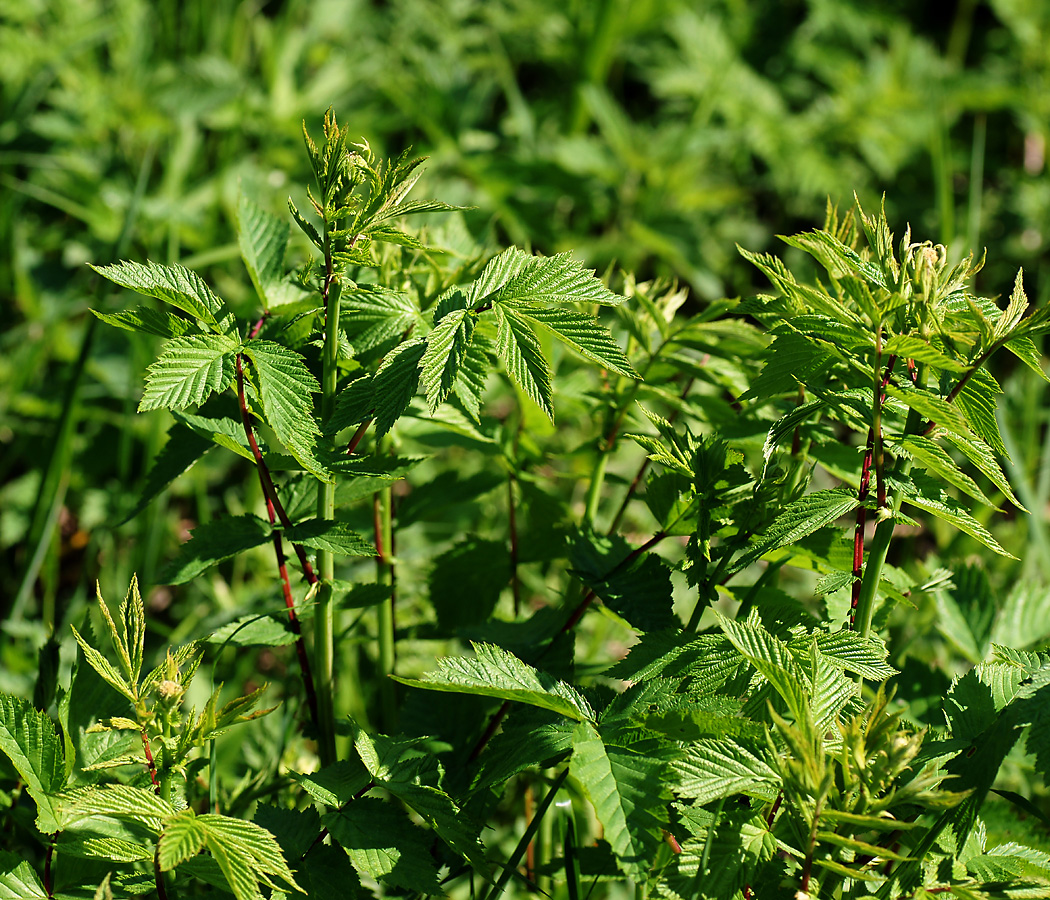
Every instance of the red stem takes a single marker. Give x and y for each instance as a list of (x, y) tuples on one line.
[(47, 870), (150, 764), (356, 439), (269, 491), (862, 497), (158, 876)]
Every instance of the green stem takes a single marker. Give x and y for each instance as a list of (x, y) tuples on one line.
[(324, 615), (382, 511)]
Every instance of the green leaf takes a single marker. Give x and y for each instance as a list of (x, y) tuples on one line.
[(984, 460), (926, 494), (337, 784), (515, 275), (712, 769), (772, 658), (183, 448), (932, 457), (117, 801), (305, 226), (640, 591), (225, 432), (911, 346), (375, 316), (395, 383), (792, 359), (285, 388), (494, 672), (519, 348), (801, 518), (931, 407), (336, 537), (466, 581), (977, 400), (529, 737), (149, 321), (188, 371), (243, 848), (29, 740), (18, 881), (183, 837), (263, 238), (1024, 349), (629, 794), (173, 284), (213, 542), (254, 631), (355, 404), (865, 657), (583, 334), (384, 845), (447, 347), (105, 669)]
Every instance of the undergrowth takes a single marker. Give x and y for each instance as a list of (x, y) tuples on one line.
[(751, 469)]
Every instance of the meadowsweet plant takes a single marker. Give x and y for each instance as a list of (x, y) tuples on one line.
[(732, 508)]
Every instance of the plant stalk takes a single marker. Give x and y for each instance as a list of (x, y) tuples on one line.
[(324, 614), (382, 517)]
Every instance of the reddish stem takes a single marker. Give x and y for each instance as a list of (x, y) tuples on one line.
[(356, 439), (158, 876), (515, 582), (269, 491), (150, 764), (47, 870), (862, 497)]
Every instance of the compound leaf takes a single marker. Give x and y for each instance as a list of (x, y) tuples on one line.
[(213, 542), (28, 738), (520, 350)]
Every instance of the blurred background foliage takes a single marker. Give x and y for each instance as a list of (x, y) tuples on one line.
[(648, 134)]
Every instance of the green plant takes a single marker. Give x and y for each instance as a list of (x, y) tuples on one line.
[(745, 746)]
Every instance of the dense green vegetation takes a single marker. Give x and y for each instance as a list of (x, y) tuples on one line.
[(697, 572)]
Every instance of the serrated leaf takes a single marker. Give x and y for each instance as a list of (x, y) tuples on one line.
[(772, 658), (183, 837), (225, 432), (516, 275), (584, 334), (984, 460), (395, 383), (188, 371), (285, 389), (250, 841), (494, 672), (262, 238), (801, 518), (213, 542), (1024, 349), (355, 404), (911, 346), (926, 494), (639, 591), (792, 359), (100, 664), (932, 457), (335, 537), (712, 769), (173, 284), (519, 348), (374, 315), (977, 400), (931, 407), (384, 845), (861, 656), (337, 784), (629, 795), (446, 349), (117, 801), (29, 740), (149, 321), (254, 631), (305, 226), (18, 881)]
